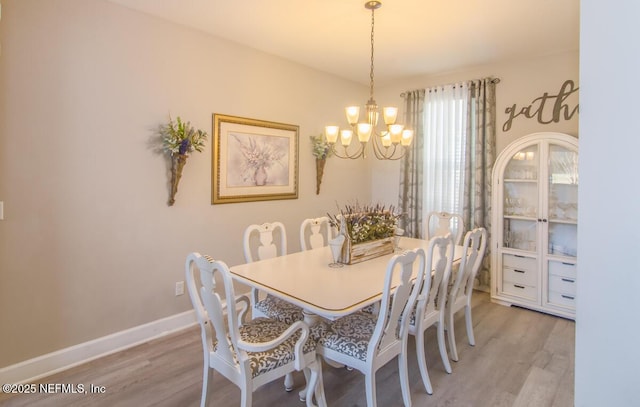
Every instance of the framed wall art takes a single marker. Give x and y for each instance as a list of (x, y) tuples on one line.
[(253, 160)]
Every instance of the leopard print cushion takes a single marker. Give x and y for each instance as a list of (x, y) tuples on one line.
[(350, 334), (280, 310), (264, 330)]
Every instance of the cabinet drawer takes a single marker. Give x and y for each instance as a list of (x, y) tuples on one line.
[(520, 276), (565, 285), (520, 290), (559, 268), (565, 300), (519, 262)]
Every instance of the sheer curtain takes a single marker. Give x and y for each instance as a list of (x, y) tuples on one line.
[(445, 134)]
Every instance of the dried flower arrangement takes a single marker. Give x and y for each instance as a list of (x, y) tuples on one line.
[(367, 222), (321, 150), (179, 139)]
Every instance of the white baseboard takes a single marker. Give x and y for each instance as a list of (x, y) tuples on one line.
[(45, 365)]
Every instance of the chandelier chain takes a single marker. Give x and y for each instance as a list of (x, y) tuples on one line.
[(371, 70)]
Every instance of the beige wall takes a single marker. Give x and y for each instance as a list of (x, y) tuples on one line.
[(520, 83), (89, 246)]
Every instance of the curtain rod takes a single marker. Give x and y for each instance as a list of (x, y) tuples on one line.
[(493, 80)]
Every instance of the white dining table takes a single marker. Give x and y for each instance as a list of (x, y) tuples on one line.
[(305, 279)]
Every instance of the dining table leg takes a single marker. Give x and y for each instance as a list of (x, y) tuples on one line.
[(310, 318)]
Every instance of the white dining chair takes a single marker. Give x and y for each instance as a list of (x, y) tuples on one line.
[(430, 308), (261, 242), (249, 353), (442, 223), (475, 244), (366, 342), (315, 233)]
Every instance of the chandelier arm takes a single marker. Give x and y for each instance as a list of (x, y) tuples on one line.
[(346, 155), (381, 152)]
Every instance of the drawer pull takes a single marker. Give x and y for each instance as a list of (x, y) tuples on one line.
[(568, 264), (519, 271), (568, 297), (518, 255), (518, 286), (568, 280)]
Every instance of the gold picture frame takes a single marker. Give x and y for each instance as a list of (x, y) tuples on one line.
[(253, 160)]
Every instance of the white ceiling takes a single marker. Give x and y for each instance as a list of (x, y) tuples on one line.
[(412, 37)]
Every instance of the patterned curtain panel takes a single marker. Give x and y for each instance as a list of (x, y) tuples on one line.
[(480, 156), (411, 167)]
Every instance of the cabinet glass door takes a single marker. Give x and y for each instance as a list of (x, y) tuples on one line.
[(520, 205), (563, 201)]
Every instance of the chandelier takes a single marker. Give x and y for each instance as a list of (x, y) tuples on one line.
[(388, 144)]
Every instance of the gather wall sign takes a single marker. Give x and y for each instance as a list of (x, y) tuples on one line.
[(546, 108)]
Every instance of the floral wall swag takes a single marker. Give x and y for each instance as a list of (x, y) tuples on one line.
[(321, 150), (179, 139)]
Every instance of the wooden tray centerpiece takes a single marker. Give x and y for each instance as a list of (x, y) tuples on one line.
[(368, 231)]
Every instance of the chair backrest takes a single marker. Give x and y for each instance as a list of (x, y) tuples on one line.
[(315, 233), (393, 318), (264, 247), (434, 291), (475, 244), (207, 296), (442, 223)]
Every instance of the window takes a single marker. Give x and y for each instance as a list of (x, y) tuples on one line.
[(445, 128)]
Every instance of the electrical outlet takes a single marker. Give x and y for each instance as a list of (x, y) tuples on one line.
[(179, 288)]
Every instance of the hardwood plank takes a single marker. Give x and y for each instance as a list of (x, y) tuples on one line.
[(521, 358), (538, 390)]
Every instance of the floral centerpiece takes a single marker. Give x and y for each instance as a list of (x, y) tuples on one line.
[(321, 151), (179, 139), (368, 231)]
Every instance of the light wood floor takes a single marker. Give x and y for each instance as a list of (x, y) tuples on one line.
[(521, 358)]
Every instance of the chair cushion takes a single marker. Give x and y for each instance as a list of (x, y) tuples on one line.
[(279, 309), (412, 317), (371, 308), (349, 335), (264, 330)]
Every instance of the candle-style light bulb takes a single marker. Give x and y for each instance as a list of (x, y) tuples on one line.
[(345, 137), (390, 115), (396, 133), (353, 112), (407, 137), (364, 132), (331, 134)]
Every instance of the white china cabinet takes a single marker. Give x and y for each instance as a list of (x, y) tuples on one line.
[(534, 225)]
